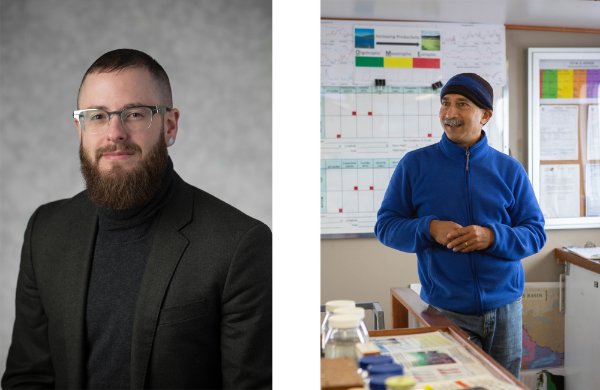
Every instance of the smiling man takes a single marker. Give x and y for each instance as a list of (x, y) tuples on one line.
[(470, 214), (141, 280)]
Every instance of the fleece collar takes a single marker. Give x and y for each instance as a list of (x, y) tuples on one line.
[(453, 150)]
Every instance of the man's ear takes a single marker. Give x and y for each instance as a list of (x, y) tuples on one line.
[(487, 115), (78, 127), (171, 126)]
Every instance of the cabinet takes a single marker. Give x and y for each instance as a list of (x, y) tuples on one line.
[(582, 323)]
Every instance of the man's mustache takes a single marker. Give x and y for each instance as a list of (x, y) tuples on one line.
[(121, 147), (453, 122)]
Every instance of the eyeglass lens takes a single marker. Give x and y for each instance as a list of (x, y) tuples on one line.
[(133, 119)]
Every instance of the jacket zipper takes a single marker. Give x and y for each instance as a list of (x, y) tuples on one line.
[(471, 259)]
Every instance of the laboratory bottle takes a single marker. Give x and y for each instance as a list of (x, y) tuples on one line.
[(358, 311), (342, 336), (330, 306)]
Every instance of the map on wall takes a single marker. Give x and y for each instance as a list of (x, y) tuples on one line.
[(543, 327)]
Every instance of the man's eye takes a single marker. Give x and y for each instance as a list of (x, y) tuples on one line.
[(97, 117), (134, 115)]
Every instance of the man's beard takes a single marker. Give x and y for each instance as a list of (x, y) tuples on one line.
[(121, 189)]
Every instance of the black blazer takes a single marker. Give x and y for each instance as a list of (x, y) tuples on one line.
[(203, 315)]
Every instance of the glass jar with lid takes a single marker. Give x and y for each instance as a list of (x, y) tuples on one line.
[(330, 306), (359, 311), (342, 336)]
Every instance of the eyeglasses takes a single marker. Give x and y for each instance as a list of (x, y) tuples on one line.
[(138, 118)]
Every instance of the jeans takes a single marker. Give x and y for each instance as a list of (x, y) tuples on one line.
[(498, 332)]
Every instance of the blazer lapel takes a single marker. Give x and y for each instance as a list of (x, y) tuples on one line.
[(167, 249), (75, 279)]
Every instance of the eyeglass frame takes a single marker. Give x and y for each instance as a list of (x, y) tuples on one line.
[(154, 109)]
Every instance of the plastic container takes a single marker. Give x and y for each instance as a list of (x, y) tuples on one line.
[(377, 382), (359, 311), (366, 361), (330, 306), (379, 372), (389, 369), (400, 382), (342, 336)]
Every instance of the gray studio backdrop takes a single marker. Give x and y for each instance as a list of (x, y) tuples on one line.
[(218, 57)]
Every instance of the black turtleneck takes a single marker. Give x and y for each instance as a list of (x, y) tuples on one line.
[(122, 247)]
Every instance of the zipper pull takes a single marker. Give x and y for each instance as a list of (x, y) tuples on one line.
[(468, 154)]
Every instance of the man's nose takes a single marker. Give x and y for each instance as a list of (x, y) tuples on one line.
[(116, 132)]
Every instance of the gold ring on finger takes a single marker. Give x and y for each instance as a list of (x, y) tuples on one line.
[(466, 243)]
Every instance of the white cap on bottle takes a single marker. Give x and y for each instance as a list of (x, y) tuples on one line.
[(359, 311), (330, 306), (344, 321)]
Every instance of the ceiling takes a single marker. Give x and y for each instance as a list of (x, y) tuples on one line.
[(552, 13)]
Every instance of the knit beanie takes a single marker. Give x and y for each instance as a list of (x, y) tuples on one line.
[(471, 86)]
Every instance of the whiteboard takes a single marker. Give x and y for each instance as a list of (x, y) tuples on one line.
[(366, 129)]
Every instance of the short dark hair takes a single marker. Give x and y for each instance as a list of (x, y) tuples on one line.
[(121, 59)]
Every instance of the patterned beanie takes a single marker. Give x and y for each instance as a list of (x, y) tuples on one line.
[(471, 86)]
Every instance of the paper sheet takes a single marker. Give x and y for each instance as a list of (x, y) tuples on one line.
[(437, 360), (558, 132), (593, 133), (592, 190), (559, 191)]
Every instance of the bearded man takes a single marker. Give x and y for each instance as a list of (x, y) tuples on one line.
[(141, 280)]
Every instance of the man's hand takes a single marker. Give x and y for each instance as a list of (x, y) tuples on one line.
[(469, 239), (440, 230)]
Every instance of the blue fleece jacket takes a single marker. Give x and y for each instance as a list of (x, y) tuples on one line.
[(474, 186)]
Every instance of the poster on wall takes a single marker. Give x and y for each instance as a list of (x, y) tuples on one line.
[(564, 146), (380, 99)]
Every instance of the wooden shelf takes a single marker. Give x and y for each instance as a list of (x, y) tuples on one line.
[(563, 256)]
